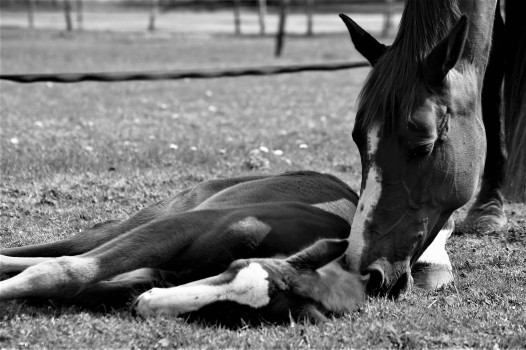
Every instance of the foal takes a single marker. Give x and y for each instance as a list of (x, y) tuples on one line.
[(198, 234)]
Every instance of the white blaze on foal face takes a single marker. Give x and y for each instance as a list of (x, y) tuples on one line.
[(368, 198), (249, 286)]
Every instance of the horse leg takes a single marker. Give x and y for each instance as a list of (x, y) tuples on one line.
[(118, 291), (433, 268), (193, 244), (487, 213)]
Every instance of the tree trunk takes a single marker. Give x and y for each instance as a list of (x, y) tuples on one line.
[(280, 36), (237, 16), (80, 15), (154, 10), (67, 15), (31, 13), (262, 14), (310, 12), (388, 17)]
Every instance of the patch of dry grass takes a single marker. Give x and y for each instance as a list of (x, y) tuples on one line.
[(87, 153)]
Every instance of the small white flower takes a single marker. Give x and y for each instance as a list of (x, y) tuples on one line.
[(39, 124), (193, 148), (173, 146), (88, 148), (263, 149), (14, 141), (175, 116), (162, 106), (209, 93), (278, 152), (212, 109), (151, 137), (303, 146), (49, 84), (222, 151)]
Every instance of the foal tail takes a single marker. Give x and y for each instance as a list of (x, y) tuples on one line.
[(515, 104)]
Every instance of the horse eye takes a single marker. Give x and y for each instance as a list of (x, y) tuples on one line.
[(420, 152)]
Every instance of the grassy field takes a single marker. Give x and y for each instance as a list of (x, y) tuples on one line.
[(75, 155)]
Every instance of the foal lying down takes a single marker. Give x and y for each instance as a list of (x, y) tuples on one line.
[(253, 227)]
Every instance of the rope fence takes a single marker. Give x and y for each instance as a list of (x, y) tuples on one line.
[(177, 75)]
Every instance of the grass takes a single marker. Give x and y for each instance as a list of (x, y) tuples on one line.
[(75, 155)]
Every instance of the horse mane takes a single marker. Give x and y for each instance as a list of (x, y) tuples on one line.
[(390, 90)]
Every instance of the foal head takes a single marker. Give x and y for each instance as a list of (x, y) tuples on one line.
[(420, 135), (305, 286)]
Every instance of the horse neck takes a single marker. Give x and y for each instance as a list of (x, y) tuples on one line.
[(425, 22), (481, 16)]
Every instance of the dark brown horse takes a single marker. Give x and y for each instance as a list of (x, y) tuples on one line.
[(428, 127)]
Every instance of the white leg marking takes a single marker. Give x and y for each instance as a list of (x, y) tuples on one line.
[(249, 287), (15, 264), (368, 201), (56, 278), (433, 269), (436, 252)]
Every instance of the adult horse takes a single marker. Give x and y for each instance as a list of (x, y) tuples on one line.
[(428, 127)]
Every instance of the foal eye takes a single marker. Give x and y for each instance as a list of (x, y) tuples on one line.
[(420, 152)]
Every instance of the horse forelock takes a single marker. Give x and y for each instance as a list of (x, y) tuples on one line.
[(390, 91)]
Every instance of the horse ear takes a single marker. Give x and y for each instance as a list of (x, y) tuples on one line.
[(446, 53), (319, 254), (368, 46)]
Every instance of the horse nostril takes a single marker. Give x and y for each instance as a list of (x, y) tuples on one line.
[(376, 279)]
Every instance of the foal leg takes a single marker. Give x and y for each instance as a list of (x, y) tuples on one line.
[(487, 213), (433, 269), (9, 264)]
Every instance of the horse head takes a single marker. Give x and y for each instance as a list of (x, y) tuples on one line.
[(421, 139), (306, 286)]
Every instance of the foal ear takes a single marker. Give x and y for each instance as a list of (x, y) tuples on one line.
[(368, 46), (446, 53), (319, 254)]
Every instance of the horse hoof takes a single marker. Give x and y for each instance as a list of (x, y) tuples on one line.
[(431, 276), (486, 217)]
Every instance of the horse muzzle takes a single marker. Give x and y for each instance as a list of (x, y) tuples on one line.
[(391, 280)]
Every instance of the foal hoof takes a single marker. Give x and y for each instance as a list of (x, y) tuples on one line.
[(486, 217)]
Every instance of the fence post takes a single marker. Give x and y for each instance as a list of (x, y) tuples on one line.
[(67, 15), (154, 10), (310, 11), (237, 16), (31, 13), (262, 14), (280, 36), (388, 15), (80, 15)]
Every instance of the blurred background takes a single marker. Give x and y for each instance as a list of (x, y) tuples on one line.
[(254, 17)]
